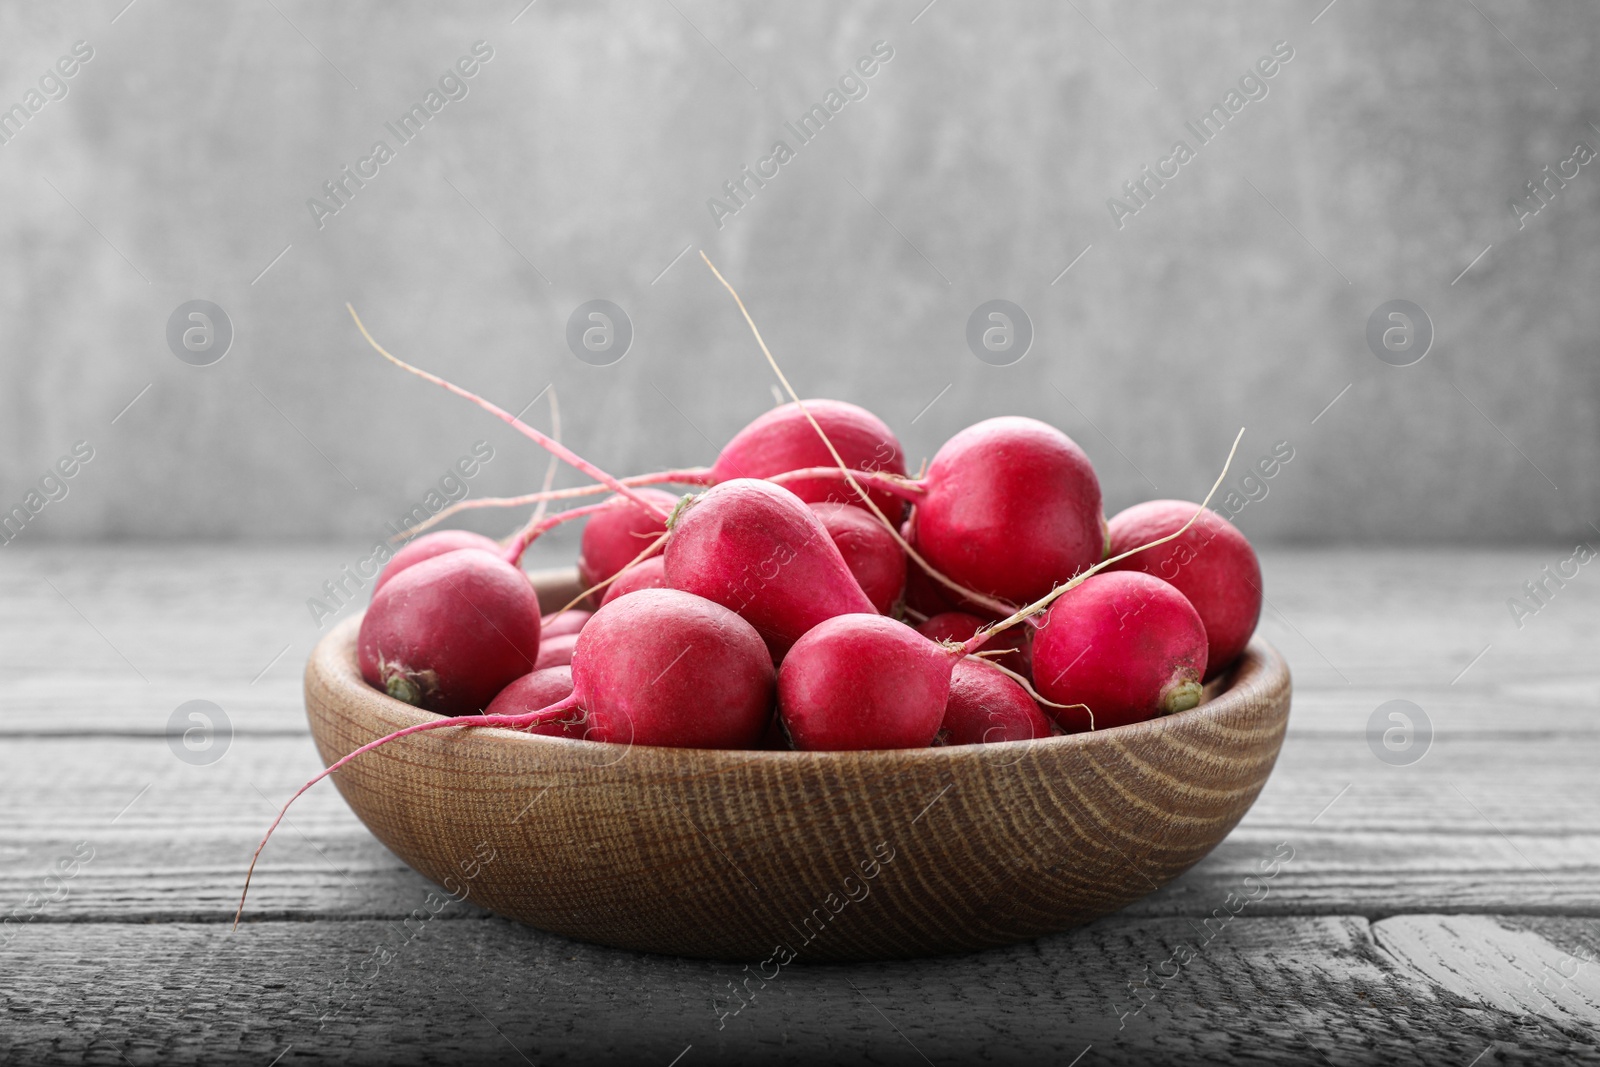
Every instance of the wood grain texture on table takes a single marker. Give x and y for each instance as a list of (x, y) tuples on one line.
[(1445, 911)]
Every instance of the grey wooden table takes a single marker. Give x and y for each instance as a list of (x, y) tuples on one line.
[(1440, 909)]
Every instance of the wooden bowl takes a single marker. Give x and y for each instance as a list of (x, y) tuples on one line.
[(768, 856)]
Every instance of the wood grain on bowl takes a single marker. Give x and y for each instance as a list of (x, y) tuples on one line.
[(814, 855)]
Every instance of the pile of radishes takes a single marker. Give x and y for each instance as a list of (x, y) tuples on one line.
[(773, 609), (810, 595)]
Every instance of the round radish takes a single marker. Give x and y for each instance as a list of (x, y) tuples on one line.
[(753, 547), (536, 692), (618, 532), (985, 706), (876, 561), (430, 545), (958, 626), (1127, 645), (783, 440), (564, 622), (555, 651), (864, 682), (449, 633), (1011, 508), (647, 574), (665, 667), (1210, 563)]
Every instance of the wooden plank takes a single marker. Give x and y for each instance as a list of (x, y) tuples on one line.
[(1507, 966), (113, 639), (1250, 990)]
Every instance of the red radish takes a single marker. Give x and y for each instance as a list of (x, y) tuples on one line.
[(665, 667), (618, 532), (658, 667), (648, 574), (1011, 509), (430, 545), (864, 682), (1012, 502), (1211, 564), (755, 548), (1127, 645), (570, 621), (958, 626), (985, 707), (555, 651), (449, 633), (535, 692), (876, 561), (783, 440)]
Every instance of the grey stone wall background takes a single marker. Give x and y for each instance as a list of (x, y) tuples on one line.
[(1380, 164)]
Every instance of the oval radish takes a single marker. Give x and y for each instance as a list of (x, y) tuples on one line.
[(876, 561), (754, 548), (647, 574), (536, 692), (430, 545), (986, 707), (449, 633), (1126, 644), (1211, 564), (618, 532), (864, 682)]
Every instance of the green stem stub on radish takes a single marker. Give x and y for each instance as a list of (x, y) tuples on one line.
[(407, 686)]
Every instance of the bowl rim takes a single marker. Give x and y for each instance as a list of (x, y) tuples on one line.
[(1250, 682)]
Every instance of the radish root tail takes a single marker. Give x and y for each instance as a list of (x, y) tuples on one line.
[(688, 476), (516, 722), (541, 439), (593, 589), (555, 461), (999, 607)]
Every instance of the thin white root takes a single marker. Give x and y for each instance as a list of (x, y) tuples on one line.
[(998, 607), (555, 461), (540, 439), (1034, 693), (633, 481), (527, 531), (640, 558)]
